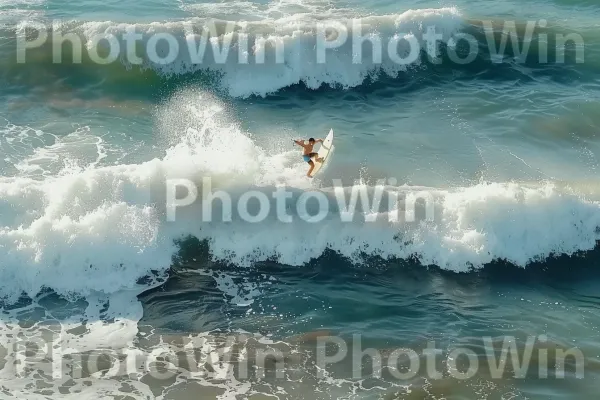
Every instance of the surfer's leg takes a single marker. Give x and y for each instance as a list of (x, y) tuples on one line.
[(312, 166), (317, 159)]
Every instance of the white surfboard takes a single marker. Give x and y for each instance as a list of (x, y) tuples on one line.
[(323, 151)]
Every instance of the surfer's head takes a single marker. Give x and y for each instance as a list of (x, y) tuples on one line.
[(311, 140)]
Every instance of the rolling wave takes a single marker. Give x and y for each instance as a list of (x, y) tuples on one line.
[(268, 55)]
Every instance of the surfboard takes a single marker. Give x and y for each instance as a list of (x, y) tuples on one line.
[(324, 152)]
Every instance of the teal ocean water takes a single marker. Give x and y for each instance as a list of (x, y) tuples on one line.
[(103, 296)]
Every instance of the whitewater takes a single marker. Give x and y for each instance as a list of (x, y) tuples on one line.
[(103, 228)]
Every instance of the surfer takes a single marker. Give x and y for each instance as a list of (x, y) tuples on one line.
[(308, 153)]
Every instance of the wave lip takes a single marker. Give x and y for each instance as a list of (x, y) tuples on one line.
[(267, 56)]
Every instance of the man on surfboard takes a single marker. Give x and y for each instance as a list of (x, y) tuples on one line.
[(308, 153)]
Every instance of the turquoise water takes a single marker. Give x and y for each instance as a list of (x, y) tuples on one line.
[(505, 148)]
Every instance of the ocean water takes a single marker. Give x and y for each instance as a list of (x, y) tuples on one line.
[(103, 296)]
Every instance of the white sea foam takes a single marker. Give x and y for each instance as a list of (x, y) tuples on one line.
[(12, 11), (96, 230), (247, 10)]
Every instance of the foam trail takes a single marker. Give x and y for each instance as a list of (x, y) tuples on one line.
[(102, 229)]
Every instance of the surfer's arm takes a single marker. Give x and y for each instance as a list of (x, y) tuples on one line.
[(299, 142), (319, 141)]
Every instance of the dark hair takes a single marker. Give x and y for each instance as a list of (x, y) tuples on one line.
[(311, 140)]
